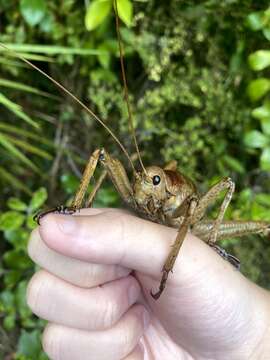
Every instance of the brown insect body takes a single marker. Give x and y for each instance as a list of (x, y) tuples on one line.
[(159, 202)]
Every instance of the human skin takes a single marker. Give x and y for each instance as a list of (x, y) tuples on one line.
[(97, 309)]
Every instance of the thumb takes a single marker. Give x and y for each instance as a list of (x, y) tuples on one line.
[(109, 236)]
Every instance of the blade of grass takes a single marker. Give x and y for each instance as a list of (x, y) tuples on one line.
[(29, 148), (12, 180), (20, 86), (9, 62), (6, 144), (29, 56), (16, 109), (18, 131), (51, 50)]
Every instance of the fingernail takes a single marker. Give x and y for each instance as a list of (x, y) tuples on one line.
[(146, 319), (132, 294), (67, 224)]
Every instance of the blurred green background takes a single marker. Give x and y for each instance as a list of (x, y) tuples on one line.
[(199, 82)]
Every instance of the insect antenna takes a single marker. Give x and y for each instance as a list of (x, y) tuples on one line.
[(131, 123), (86, 108)]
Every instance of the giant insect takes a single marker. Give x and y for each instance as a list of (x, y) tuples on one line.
[(160, 194)]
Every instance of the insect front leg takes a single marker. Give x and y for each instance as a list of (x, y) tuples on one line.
[(97, 186), (169, 264), (118, 176), (80, 193), (209, 198)]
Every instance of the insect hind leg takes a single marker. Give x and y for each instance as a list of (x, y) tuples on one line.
[(223, 253)]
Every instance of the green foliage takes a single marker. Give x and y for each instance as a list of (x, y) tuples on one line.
[(188, 65), (15, 225), (258, 89), (33, 11), (99, 10)]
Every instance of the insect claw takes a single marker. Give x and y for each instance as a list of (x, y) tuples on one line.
[(226, 256), (63, 210), (161, 286), (156, 295), (234, 261), (41, 214)]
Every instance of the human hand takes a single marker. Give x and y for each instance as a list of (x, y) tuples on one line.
[(98, 310)]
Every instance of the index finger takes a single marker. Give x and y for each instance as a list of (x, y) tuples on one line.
[(113, 237)]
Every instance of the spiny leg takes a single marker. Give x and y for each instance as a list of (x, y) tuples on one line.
[(168, 266), (85, 180), (231, 228), (79, 196), (209, 198), (97, 186), (228, 229)]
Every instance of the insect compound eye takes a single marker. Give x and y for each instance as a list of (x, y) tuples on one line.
[(156, 179)]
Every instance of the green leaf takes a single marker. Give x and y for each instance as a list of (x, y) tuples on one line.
[(9, 322), (29, 344), (263, 199), (7, 300), (33, 11), (259, 60), (38, 199), (265, 159), (262, 112), (16, 204), (258, 88), (18, 237), (265, 123), (255, 139), (20, 300), (266, 33), (17, 259), (12, 277), (11, 220), (255, 20), (30, 222), (125, 11), (234, 164), (96, 13)]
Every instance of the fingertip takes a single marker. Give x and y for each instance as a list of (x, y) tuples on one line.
[(55, 229)]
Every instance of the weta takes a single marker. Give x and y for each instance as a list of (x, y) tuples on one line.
[(160, 194)]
